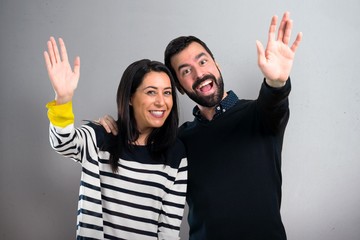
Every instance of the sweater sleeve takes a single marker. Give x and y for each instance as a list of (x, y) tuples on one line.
[(273, 106), (60, 115), (78, 144), (173, 205)]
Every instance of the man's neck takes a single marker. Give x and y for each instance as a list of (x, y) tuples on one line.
[(209, 112)]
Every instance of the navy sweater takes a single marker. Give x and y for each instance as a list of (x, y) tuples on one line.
[(234, 169)]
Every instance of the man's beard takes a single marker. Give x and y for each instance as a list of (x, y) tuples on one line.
[(211, 100)]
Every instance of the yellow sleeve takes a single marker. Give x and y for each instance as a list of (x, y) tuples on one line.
[(60, 115)]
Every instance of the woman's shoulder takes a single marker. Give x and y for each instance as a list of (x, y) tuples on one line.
[(103, 139)]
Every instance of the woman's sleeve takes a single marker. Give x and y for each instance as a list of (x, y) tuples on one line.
[(173, 206), (77, 144)]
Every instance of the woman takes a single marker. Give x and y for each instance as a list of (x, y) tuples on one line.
[(132, 185)]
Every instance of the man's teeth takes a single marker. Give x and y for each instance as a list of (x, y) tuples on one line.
[(206, 82)]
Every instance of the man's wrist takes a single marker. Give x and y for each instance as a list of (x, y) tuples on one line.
[(275, 83)]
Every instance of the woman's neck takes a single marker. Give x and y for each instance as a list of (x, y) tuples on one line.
[(141, 140)]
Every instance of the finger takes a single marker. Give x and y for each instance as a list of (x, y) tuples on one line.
[(287, 34), (111, 127), (112, 124), (282, 26), (77, 66), (103, 123), (51, 52), (63, 51), (55, 50), (261, 53), (297, 42), (47, 61), (272, 28)]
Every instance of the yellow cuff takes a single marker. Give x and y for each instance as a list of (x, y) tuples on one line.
[(60, 115)]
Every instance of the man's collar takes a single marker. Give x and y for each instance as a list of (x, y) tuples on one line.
[(228, 102)]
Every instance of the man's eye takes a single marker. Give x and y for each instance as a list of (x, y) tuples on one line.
[(186, 71), (202, 62)]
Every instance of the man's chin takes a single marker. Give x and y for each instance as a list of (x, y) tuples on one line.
[(208, 102), (208, 99)]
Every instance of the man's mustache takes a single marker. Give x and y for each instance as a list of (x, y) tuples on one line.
[(200, 80)]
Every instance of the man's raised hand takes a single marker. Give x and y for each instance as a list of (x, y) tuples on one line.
[(276, 60)]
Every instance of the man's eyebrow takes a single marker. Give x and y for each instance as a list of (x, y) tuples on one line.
[(199, 55), (196, 58), (182, 66)]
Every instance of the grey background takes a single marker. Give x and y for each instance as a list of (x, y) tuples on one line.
[(39, 189)]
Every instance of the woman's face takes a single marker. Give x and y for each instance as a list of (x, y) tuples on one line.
[(152, 101)]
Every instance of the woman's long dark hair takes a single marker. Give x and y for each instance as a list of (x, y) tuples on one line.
[(160, 138)]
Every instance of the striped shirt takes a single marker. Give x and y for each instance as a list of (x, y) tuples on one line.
[(143, 200)]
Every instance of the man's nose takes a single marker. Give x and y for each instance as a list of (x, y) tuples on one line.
[(199, 73)]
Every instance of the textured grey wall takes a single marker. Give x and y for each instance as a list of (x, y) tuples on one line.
[(39, 189)]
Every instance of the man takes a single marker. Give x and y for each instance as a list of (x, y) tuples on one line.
[(233, 146)]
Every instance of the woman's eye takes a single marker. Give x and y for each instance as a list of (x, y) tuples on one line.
[(169, 93), (150, 92)]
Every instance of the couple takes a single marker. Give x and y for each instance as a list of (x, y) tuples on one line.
[(227, 161)]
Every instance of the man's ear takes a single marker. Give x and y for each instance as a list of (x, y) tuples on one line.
[(217, 65)]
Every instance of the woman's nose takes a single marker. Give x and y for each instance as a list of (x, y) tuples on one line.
[(159, 101)]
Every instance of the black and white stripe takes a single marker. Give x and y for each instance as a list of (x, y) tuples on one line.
[(144, 200)]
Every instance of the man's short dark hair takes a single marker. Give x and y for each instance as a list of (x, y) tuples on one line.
[(176, 46)]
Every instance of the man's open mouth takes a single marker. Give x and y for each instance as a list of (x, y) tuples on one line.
[(205, 85)]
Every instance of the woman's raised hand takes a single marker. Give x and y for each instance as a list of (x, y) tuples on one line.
[(63, 78)]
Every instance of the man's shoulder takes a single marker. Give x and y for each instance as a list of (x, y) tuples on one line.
[(176, 153), (238, 106), (188, 125), (178, 147)]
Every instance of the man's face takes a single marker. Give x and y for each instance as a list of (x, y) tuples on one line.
[(199, 75)]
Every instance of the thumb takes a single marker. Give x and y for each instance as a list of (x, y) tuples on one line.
[(260, 52), (77, 66)]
